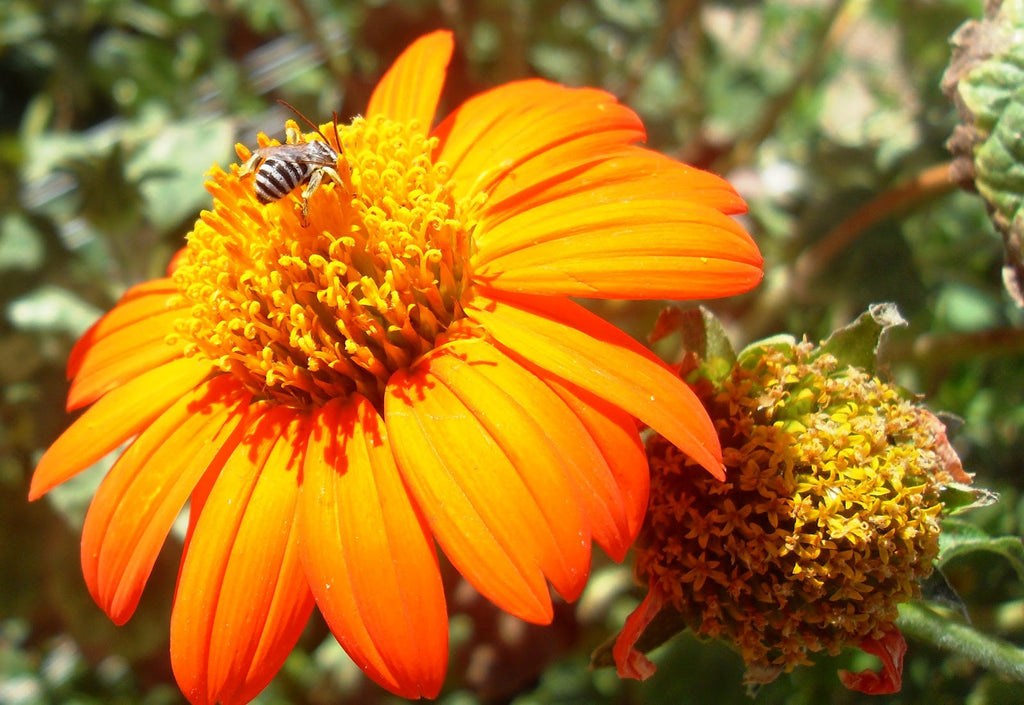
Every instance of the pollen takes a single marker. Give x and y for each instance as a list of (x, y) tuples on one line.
[(307, 311), (827, 520)]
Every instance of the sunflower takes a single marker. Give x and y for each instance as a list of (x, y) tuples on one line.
[(333, 395)]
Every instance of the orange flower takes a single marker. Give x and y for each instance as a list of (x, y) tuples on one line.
[(334, 395)]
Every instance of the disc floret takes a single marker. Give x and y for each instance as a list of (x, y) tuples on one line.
[(827, 520), (304, 312)]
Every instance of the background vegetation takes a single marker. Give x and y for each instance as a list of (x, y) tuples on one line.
[(826, 114)]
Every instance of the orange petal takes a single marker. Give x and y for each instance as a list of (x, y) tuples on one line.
[(116, 417), (574, 344), (138, 501), (618, 242), (368, 555), (523, 421), (468, 428), (619, 486), (490, 136), (580, 166), (570, 428), (411, 88), (242, 599), (122, 354), (138, 303), (176, 261), (153, 287), (209, 479)]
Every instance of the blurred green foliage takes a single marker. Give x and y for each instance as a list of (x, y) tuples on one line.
[(820, 111)]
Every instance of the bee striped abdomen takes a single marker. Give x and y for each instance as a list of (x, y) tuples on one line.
[(281, 168), (276, 178)]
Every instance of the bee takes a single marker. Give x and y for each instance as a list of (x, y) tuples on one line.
[(282, 168)]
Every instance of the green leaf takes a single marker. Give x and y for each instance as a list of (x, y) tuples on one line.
[(987, 74), (108, 198), (958, 498), (752, 354), (702, 336), (49, 308), (171, 168), (21, 245), (937, 590), (960, 538), (995, 70), (859, 343)]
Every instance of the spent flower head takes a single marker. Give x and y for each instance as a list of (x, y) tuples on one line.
[(339, 373), (827, 520)]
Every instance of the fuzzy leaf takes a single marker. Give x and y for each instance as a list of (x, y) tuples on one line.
[(989, 89), (860, 343), (702, 336), (958, 497), (960, 538)]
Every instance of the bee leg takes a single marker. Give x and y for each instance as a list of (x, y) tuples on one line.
[(314, 183), (293, 135), (332, 174), (250, 164)]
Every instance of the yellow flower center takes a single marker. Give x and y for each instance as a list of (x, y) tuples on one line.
[(303, 312), (827, 520)]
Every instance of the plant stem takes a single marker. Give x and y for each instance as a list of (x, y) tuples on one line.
[(788, 286), (931, 350), (922, 623), (933, 181)]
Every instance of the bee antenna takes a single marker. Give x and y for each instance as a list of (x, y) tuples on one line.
[(309, 122), (337, 133)]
